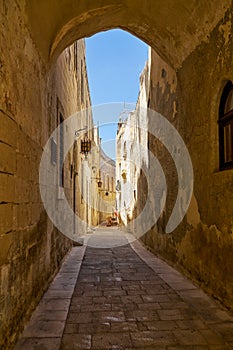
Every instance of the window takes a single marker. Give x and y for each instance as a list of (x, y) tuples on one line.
[(53, 151), (226, 127), (112, 187), (82, 182), (124, 151), (61, 165), (76, 57), (60, 143), (82, 83)]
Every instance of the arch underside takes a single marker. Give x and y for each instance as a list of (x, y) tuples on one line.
[(173, 28)]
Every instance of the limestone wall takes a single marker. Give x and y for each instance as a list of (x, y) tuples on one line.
[(32, 90), (202, 245), (107, 192), (31, 248), (132, 153)]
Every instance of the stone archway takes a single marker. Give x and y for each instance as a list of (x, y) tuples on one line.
[(172, 28), (194, 35)]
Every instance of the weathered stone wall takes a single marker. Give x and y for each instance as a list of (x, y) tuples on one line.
[(173, 29), (202, 245), (68, 83), (31, 248), (107, 192), (132, 155)]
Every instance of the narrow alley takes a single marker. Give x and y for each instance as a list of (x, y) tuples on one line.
[(124, 298), (116, 175)]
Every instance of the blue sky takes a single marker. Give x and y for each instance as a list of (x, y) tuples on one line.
[(115, 60)]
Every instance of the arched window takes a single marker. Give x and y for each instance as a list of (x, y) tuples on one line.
[(226, 127), (124, 151)]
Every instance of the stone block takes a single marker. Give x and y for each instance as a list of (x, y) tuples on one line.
[(6, 217), (76, 341), (22, 166), (7, 158), (8, 130), (7, 188), (5, 244), (36, 343)]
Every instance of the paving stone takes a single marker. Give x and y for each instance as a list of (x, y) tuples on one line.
[(148, 338), (112, 299), (160, 325), (37, 344), (95, 307), (173, 296), (94, 327), (44, 329), (109, 316), (221, 347), (154, 347), (76, 341), (190, 347), (173, 305), (149, 306), (110, 292), (173, 314), (59, 294), (137, 299), (93, 293), (55, 304), (155, 298), (118, 341), (124, 326), (80, 317), (75, 308), (81, 300), (226, 330), (211, 337), (123, 301), (190, 337), (62, 286), (141, 315), (49, 315), (71, 328), (191, 324), (124, 307)]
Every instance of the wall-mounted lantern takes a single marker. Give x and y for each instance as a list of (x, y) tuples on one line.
[(99, 183), (85, 146), (98, 179), (124, 174)]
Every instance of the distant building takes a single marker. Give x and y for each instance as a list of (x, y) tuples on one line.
[(132, 152), (107, 192)]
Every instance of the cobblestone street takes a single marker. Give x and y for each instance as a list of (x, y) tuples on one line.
[(123, 297)]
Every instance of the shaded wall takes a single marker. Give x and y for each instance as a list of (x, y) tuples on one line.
[(202, 245), (31, 248), (107, 191)]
